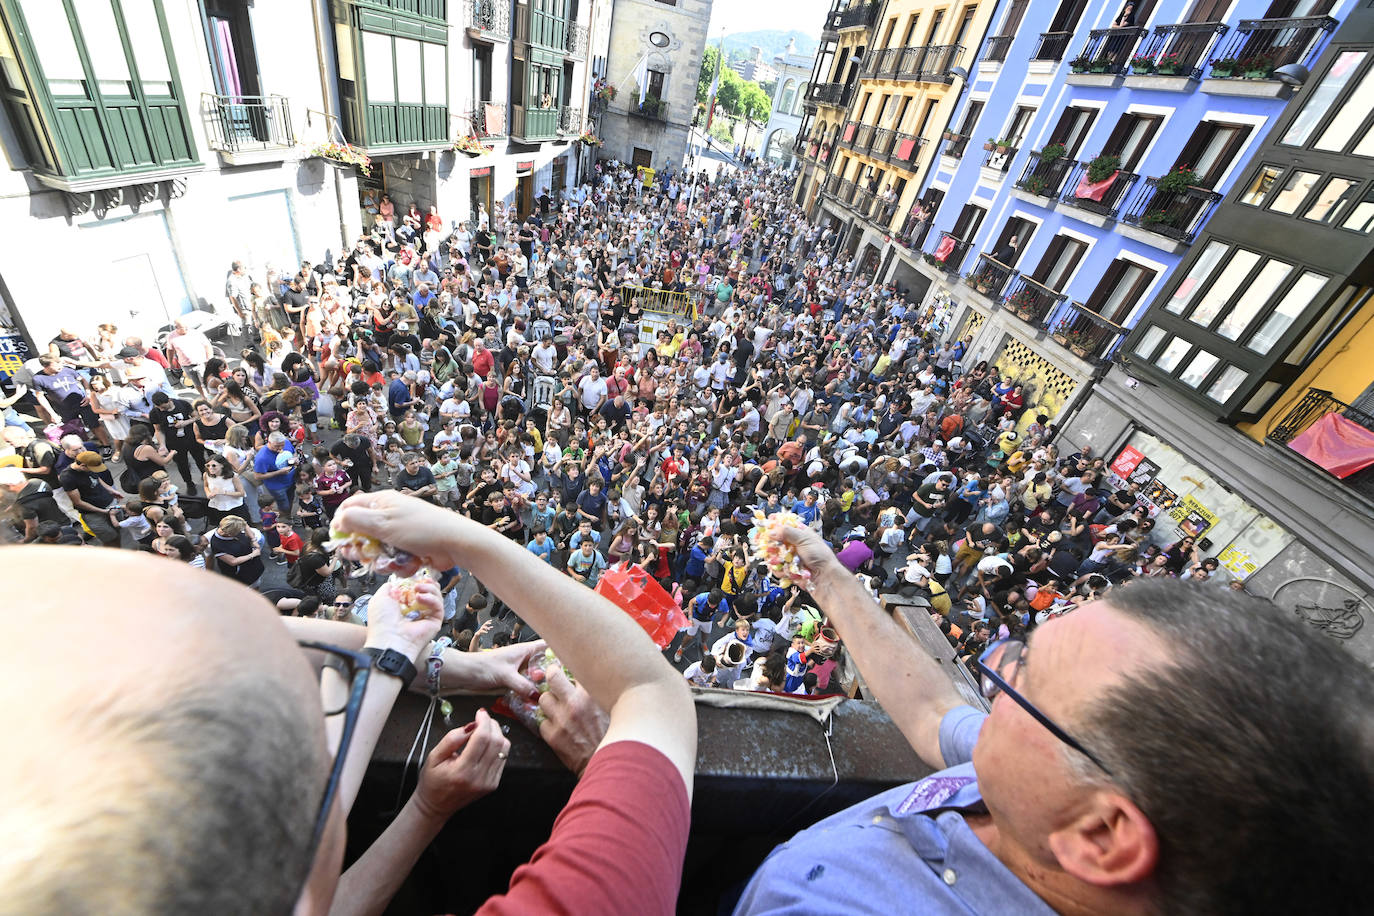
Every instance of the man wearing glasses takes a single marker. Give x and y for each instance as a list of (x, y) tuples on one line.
[(1125, 767), (202, 762)]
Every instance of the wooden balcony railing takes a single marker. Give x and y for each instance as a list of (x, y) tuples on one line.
[(1103, 199), (1178, 215), (533, 124)]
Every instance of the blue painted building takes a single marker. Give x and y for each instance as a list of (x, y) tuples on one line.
[(1087, 150)]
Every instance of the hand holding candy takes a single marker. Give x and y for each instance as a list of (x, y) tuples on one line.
[(768, 542)]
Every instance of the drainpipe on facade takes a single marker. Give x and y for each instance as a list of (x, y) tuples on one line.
[(327, 89)]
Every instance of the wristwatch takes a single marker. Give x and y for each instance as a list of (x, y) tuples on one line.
[(389, 661)]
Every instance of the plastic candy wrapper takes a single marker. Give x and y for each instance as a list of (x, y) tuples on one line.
[(374, 556), (765, 540), (636, 593), (406, 592), (537, 669)]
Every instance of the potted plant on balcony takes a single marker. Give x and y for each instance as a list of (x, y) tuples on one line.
[(1161, 219), (1080, 341), (589, 139), (1080, 64), (990, 144), (1142, 64), (1224, 68), (1023, 303), (1101, 168), (1171, 65), (1035, 184), (1180, 178), (982, 282), (1102, 63), (1004, 146), (603, 91), (344, 154), (1053, 152), (950, 135), (1258, 67), (470, 146)]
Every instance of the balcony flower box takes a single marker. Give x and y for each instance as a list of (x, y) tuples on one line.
[(344, 154), (1259, 67), (1142, 64), (949, 135), (589, 139), (990, 145), (1100, 64), (1080, 64), (1179, 179), (1036, 184), (1224, 68), (469, 146), (1171, 65)]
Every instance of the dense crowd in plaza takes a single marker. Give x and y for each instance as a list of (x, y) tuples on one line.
[(634, 373)]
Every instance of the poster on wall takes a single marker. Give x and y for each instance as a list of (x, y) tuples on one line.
[(1161, 498), (1193, 517), (1127, 461), (14, 350), (1131, 466), (1237, 562)]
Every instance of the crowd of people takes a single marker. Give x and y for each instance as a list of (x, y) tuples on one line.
[(630, 374), (634, 373)]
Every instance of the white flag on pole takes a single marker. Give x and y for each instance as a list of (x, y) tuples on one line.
[(642, 77)]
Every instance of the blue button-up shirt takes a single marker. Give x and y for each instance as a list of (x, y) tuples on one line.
[(908, 850)]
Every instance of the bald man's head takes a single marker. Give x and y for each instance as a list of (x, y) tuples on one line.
[(176, 762)]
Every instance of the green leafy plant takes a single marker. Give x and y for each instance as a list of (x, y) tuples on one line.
[(1080, 64), (1259, 66), (470, 145), (1180, 178), (1224, 67), (1084, 338), (1053, 151), (1102, 167), (1036, 184), (1023, 300), (589, 139), (1170, 64), (1143, 63), (1101, 64), (345, 153)]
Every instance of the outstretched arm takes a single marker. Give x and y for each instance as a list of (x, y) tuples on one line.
[(909, 683), (647, 701)]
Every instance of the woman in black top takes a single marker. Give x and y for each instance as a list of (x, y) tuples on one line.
[(141, 454), (316, 568), (211, 427), (236, 551)]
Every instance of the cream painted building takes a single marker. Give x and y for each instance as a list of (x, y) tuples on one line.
[(785, 117), (152, 142), (661, 45)]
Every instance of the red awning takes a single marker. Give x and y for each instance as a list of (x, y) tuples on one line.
[(1341, 446)]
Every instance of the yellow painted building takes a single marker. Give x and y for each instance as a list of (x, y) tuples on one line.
[(908, 86)]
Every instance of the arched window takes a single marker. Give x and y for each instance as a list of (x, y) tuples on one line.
[(789, 95)]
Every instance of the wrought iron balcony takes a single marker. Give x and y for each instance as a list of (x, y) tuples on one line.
[(863, 138), (900, 149), (569, 120), (1000, 157), (997, 46), (1104, 198), (1031, 301), (836, 95), (1178, 50), (990, 276), (1315, 404), (651, 108), (859, 17), (1045, 178), (1052, 46), (575, 42), (912, 234), (488, 119), (1087, 334), (1177, 215), (830, 29), (949, 254), (487, 18), (1108, 50), (243, 123), (1258, 47), (936, 63), (955, 144)]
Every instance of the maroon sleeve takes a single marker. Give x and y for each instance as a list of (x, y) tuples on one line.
[(617, 846)]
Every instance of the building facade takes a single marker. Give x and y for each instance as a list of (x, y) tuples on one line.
[(1247, 386), (659, 44), (1081, 164), (754, 68), (845, 36), (785, 117), (154, 143)]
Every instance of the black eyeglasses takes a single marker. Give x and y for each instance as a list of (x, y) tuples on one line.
[(999, 664), (343, 683), (344, 603)]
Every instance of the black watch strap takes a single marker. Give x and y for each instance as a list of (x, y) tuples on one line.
[(389, 661)]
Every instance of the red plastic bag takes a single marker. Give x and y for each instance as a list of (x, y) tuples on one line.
[(635, 592)]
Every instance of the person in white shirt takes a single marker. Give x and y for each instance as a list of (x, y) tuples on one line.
[(193, 351), (545, 356), (591, 390), (702, 673)]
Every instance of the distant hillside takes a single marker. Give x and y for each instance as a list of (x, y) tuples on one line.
[(772, 41)]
